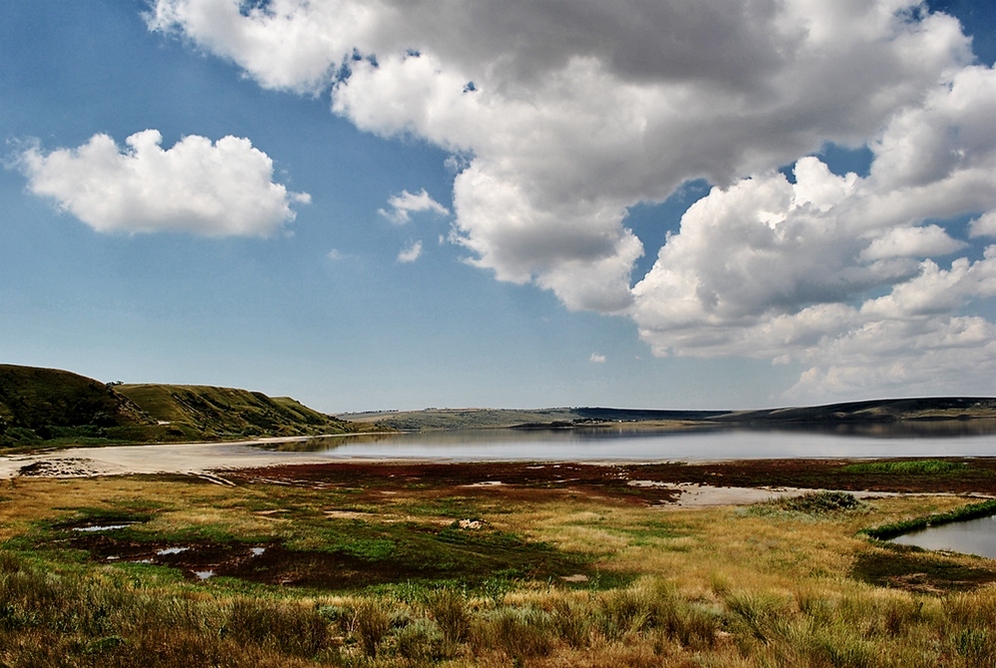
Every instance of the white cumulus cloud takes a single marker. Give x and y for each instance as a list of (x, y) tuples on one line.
[(403, 205), (591, 108), (984, 225), (561, 115), (597, 359), (214, 189)]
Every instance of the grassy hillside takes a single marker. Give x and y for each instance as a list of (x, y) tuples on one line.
[(54, 407), (51, 405), (198, 411)]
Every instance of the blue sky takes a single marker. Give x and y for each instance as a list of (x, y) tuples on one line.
[(315, 203)]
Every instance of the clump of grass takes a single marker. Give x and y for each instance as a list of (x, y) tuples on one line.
[(656, 607), (758, 616), (287, 628), (448, 608), (906, 467), (820, 503), (520, 632), (372, 625), (811, 503), (571, 621)]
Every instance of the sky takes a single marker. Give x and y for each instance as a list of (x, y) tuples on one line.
[(401, 204)]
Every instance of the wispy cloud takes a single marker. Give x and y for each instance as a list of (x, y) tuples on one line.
[(403, 205), (214, 189), (411, 253), (597, 359)]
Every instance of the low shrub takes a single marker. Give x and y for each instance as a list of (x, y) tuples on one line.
[(820, 503)]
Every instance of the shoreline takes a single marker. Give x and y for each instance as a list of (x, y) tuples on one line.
[(665, 484)]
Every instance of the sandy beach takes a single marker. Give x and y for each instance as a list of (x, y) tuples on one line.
[(193, 458)]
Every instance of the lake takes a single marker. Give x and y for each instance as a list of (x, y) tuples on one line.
[(976, 536), (587, 446)]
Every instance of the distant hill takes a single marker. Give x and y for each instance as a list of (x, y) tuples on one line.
[(881, 411), (463, 418), (932, 415), (539, 418), (55, 407)]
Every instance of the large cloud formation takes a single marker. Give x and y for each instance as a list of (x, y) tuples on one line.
[(566, 113), (224, 188)]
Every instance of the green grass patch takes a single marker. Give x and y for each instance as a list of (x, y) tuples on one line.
[(367, 549), (910, 467), (646, 533)]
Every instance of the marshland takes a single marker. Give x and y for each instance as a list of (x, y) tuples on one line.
[(495, 564)]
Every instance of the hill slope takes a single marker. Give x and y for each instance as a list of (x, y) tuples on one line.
[(199, 411), (49, 404), (882, 411), (55, 407)]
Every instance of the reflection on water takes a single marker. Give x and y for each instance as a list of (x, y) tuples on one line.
[(971, 537), (321, 443), (602, 445), (908, 428)]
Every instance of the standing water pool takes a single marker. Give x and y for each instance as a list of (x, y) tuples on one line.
[(976, 536)]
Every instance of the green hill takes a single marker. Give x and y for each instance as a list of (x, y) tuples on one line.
[(53, 407), (199, 411)]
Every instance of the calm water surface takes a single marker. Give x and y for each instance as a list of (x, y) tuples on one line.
[(971, 537), (512, 445)]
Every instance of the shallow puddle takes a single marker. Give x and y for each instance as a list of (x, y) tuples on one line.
[(976, 536), (171, 550), (103, 527)]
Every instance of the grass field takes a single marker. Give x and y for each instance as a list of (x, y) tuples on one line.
[(391, 565)]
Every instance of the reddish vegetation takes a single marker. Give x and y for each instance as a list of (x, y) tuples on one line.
[(534, 480), (512, 480)]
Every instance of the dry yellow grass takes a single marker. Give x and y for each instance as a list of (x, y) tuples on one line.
[(726, 586)]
